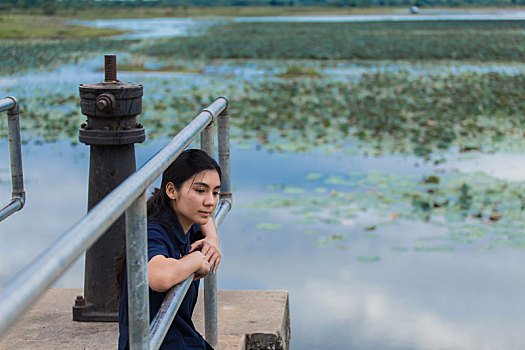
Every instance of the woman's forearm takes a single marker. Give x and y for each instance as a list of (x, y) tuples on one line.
[(209, 232), (164, 273)]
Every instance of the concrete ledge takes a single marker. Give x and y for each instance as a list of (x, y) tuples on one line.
[(247, 320)]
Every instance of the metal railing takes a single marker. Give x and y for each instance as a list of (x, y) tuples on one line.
[(130, 197), (10, 104)]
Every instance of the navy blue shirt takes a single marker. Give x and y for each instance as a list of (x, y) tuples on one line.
[(166, 237)]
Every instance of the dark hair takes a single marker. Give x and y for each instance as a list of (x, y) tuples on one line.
[(189, 163)]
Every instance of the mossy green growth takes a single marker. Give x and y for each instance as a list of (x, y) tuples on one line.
[(17, 56), (178, 11), (299, 71), (140, 67), (41, 27), (471, 40)]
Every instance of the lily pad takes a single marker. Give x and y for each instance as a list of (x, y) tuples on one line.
[(314, 176), (293, 190), (400, 249), (368, 259), (268, 226)]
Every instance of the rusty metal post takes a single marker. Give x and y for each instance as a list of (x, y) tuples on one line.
[(111, 131)]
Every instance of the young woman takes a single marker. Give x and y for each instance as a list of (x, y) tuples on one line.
[(182, 240)]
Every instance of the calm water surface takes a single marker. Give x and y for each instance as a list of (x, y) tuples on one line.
[(465, 299), (168, 27)]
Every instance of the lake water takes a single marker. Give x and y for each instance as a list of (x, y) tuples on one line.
[(350, 284), (168, 27), (467, 298)]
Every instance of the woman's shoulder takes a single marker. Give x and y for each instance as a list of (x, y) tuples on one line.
[(165, 220)]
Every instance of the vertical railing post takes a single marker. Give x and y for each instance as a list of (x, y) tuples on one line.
[(137, 274), (210, 281), (15, 151), (224, 154)]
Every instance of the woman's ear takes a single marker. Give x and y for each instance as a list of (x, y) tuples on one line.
[(171, 191)]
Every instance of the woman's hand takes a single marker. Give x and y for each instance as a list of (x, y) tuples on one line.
[(208, 247), (204, 265)]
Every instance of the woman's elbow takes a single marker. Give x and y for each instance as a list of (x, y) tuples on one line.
[(159, 283)]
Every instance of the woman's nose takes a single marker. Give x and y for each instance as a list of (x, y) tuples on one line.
[(209, 200)]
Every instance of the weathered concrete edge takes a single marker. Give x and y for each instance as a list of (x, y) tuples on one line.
[(278, 341), (246, 323)]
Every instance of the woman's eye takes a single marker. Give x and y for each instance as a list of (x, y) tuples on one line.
[(215, 194), (200, 190)]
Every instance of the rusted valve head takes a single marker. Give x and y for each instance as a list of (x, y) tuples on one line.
[(111, 108), (105, 102)]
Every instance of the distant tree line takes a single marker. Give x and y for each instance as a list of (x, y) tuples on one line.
[(51, 6)]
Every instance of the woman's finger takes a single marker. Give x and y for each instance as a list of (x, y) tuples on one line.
[(213, 257), (196, 245), (216, 265), (206, 248)]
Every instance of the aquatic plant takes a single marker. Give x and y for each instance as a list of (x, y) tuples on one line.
[(474, 209), (20, 56), (382, 112), (396, 112), (458, 40)]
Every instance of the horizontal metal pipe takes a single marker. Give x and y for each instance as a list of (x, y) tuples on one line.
[(13, 206), (29, 284), (217, 106), (162, 321), (7, 103)]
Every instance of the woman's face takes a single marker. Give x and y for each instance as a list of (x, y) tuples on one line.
[(197, 198)]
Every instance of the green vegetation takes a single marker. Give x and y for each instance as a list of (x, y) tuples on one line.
[(212, 11), (184, 8), (493, 216), (299, 71), (143, 68), (384, 112), (301, 105), (435, 40), (39, 27), (396, 112), (19, 56)]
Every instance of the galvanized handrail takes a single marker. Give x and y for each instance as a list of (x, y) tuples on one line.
[(129, 196), (10, 104)]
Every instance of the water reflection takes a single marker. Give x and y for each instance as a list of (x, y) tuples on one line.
[(150, 28), (464, 299), (169, 27), (470, 16), (506, 166)]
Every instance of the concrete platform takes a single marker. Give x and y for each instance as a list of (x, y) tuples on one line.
[(247, 320)]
